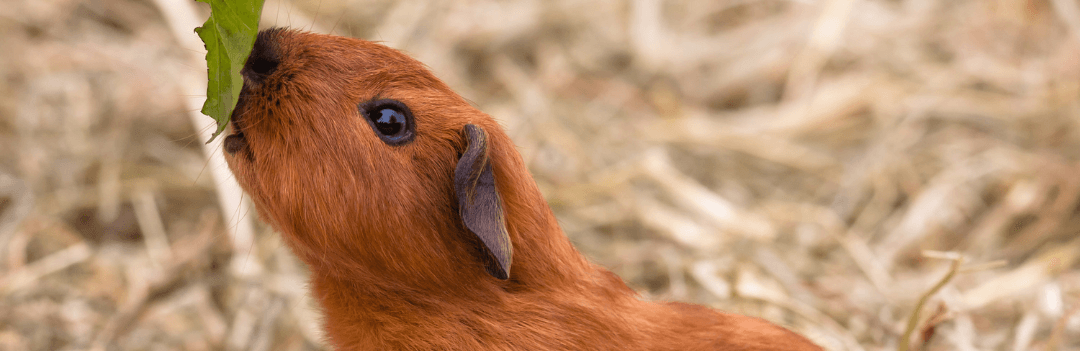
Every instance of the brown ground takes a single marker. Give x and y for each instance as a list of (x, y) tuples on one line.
[(791, 159)]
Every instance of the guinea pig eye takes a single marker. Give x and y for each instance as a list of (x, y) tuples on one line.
[(391, 120)]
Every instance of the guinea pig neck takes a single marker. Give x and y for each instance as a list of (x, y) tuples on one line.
[(546, 271)]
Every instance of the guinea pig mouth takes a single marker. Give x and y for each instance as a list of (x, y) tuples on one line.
[(236, 141)]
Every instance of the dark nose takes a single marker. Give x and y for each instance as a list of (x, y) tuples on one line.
[(264, 58), (260, 66)]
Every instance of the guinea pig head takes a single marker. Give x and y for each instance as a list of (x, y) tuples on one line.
[(368, 164)]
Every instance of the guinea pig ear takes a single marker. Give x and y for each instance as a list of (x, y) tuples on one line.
[(479, 202)]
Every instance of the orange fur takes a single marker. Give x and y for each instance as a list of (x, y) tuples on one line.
[(393, 266)]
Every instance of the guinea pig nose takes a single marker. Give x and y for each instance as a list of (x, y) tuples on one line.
[(262, 66), (264, 58)]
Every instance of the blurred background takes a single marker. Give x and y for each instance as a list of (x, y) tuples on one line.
[(829, 165)]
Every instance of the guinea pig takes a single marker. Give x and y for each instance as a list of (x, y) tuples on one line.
[(419, 221)]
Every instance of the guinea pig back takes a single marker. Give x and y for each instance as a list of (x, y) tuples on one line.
[(419, 221)]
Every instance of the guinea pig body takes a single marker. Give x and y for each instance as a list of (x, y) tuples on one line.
[(419, 221)]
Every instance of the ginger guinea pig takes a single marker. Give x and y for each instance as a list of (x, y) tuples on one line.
[(420, 223)]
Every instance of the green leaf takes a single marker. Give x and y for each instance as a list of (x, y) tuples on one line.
[(229, 35)]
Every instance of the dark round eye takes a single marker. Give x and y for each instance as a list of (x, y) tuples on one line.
[(391, 120)]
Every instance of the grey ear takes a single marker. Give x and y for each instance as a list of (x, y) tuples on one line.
[(479, 202)]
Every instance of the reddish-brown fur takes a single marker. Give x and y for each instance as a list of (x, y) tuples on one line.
[(392, 264)]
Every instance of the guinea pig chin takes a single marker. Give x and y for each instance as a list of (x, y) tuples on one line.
[(235, 142)]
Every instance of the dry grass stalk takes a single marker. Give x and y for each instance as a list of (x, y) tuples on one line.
[(913, 319)]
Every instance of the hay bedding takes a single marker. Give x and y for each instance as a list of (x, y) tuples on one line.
[(822, 164)]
